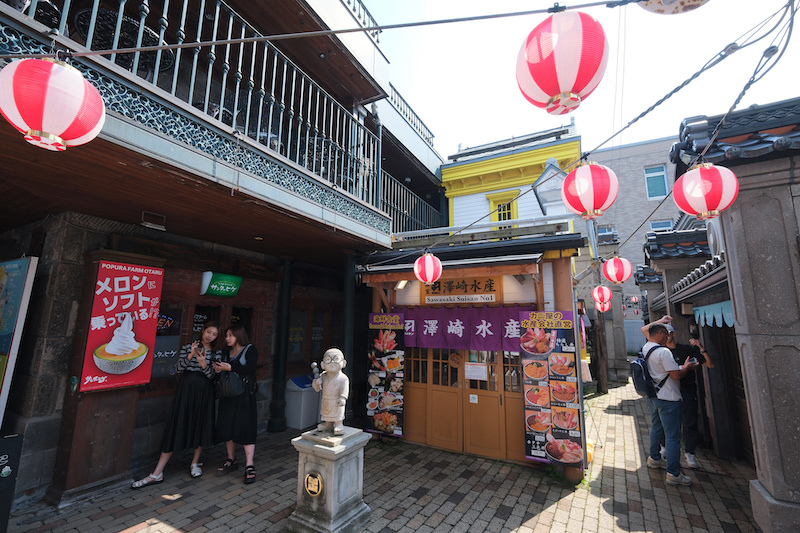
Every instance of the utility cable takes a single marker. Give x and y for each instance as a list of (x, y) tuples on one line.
[(325, 33)]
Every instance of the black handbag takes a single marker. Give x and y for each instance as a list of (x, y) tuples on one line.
[(228, 383)]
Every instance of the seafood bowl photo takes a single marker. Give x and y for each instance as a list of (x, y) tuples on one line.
[(538, 395), (537, 341), (563, 391), (563, 451), (566, 419), (562, 364), (538, 422), (535, 370)]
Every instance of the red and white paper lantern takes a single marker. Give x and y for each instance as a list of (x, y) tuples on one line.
[(706, 190), (602, 306), (562, 61), (428, 269), (51, 103), (617, 270), (601, 294), (589, 190)]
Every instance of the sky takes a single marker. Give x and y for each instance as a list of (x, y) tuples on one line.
[(460, 77)]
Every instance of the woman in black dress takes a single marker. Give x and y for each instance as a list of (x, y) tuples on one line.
[(236, 417), (191, 421)]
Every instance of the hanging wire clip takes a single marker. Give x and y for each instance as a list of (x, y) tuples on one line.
[(63, 55), (557, 8)]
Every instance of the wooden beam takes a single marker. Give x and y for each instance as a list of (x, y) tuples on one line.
[(461, 238), (376, 280)]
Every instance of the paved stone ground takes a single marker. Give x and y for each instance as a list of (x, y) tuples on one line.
[(415, 488)]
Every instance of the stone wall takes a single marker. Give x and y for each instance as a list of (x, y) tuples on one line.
[(761, 237)]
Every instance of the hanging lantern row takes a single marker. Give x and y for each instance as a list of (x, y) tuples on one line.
[(428, 269), (51, 103), (589, 190), (562, 61), (617, 270), (706, 190), (601, 294), (602, 306)]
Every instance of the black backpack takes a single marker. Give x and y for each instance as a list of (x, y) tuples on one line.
[(642, 381)]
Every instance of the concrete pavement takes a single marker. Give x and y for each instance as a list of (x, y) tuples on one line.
[(413, 488)]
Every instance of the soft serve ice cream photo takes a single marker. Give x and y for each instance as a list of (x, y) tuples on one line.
[(123, 353)]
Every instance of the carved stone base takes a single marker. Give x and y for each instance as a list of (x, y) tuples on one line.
[(330, 482)]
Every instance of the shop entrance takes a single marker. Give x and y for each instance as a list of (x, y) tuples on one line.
[(484, 419), (458, 400)]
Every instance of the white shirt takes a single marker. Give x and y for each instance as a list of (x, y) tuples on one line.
[(659, 364)]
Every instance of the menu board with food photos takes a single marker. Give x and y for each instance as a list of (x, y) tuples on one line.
[(551, 388), (385, 379)]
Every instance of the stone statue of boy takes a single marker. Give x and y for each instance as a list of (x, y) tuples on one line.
[(335, 386)]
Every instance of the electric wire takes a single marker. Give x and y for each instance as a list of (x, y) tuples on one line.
[(325, 33), (789, 9), (718, 58)]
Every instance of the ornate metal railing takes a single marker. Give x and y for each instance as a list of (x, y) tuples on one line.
[(414, 121), (409, 212), (363, 16), (252, 87)]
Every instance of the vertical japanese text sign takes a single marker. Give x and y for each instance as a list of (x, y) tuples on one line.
[(122, 329)]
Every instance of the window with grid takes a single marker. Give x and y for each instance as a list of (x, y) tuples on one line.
[(489, 359), (416, 365), (442, 373), (656, 181), (503, 206), (512, 372)]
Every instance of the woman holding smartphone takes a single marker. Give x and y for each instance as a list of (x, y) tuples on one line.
[(191, 420), (237, 416)]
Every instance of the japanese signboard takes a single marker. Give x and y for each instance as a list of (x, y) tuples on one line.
[(122, 329), (16, 282), (467, 290), (554, 422), (217, 284), (463, 328), (385, 393)]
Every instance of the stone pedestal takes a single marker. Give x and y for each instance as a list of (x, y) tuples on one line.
[(330, 482)]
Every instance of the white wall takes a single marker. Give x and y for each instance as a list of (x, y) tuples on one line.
[(466, 209)]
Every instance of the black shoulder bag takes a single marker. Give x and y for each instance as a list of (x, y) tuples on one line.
[(228, 383)]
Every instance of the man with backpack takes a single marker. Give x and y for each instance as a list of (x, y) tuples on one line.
[(665, 408)]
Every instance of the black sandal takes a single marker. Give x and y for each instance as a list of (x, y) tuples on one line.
[(250, 474), (228, 466)]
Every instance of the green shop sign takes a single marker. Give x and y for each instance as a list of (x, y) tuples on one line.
[(216, 284)]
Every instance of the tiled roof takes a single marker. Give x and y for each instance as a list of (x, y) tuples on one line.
[(676, 244), (758, 132), (713, 264), (645, 274)]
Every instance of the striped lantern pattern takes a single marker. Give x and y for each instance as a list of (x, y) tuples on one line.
[(589, 190), (428, 269), (617, 270), (51, 103), (562, 61), (601, 294), (706, 190), (602, 306)]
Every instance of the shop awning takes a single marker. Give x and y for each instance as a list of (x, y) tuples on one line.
[(715, 314)]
